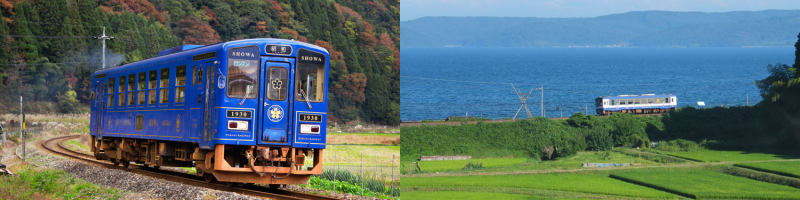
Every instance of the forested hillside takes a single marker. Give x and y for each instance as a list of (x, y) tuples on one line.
[(632, 29), (47, 52)]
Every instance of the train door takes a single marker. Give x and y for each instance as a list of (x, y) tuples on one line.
[(100, 102), (207, 104), (275, 105)]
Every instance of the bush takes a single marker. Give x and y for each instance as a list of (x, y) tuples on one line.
[(678, 145), (471, 166), (598, 140), (68, 104)]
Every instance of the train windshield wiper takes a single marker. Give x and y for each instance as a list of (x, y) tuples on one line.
[(303, 93), (246, 93)]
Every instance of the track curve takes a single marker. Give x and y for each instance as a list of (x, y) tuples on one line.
[(54, 145)]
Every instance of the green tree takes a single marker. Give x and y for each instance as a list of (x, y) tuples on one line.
[(5, 43), (28, 46), (68, 103)]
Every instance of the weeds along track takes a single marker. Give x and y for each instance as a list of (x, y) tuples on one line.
[(54, 145)]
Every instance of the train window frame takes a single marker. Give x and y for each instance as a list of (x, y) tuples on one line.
[(131, 89), (163, 86), (111, 92), (152, 87), (630, 101), (320, 77), (650, 101), (282, 83), (121, 93), (230, 65), (613, 102), (180, 88), (194, 75), (666, 100), (141, 87)]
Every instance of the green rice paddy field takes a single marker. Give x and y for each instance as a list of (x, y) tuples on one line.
[(570, 182), (707, 184), (449, 165), (717, 156), (696, 180), (791, 168), (464, 195)]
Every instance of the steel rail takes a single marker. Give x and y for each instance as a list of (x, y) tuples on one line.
[(257, 191)]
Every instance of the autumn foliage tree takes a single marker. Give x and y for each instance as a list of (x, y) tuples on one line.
[(194, 31)]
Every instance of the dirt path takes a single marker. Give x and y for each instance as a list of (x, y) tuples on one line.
[(356, 139), (523, 172)]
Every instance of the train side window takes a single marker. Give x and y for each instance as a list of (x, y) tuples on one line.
[(164, 85), (152, 86), (194, 75), (141, 88), (121, 91), (650, 101), (200, 76), (666, 100), (613, 102), (276, 88), (110, 91), (131, 89), (630, 101), (180, 82)]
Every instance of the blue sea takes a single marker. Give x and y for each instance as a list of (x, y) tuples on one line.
[(441, 82)]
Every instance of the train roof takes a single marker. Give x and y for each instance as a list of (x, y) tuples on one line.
[(637, 96), (189, 50)]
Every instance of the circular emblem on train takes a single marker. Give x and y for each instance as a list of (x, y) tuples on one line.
[(277, 83), (275, 113), (221, 82)]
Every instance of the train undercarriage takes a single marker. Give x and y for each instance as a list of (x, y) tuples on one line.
[(239, 164), (636, 111)]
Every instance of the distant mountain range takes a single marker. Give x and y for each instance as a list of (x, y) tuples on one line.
[(632, 29)]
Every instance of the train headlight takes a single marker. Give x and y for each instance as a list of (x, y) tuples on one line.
[(238, 125), (309, 128)]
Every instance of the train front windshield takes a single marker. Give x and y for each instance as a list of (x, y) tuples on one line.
[(243, 72), (310, 81)]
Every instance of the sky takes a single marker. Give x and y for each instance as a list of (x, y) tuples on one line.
[(413, 9)]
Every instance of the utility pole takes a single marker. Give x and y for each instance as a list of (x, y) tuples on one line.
[(104, 37), (542, 89), (748, 99), (585, 110), (21, 128)]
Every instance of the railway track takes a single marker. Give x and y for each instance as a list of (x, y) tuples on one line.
[(54, 145), (402, 124)]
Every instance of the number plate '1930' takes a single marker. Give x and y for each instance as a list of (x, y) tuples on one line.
[(238, 114), (310, 118)]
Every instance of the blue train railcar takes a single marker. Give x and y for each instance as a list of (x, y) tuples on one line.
[(635, 104), (245, 111)]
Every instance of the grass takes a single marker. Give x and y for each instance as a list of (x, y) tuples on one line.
[(351, 154), (365, 134), (592, 183), (708, 184), (791, 169), (449, 165), (717, 156), (465, 195), (52, 184)]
